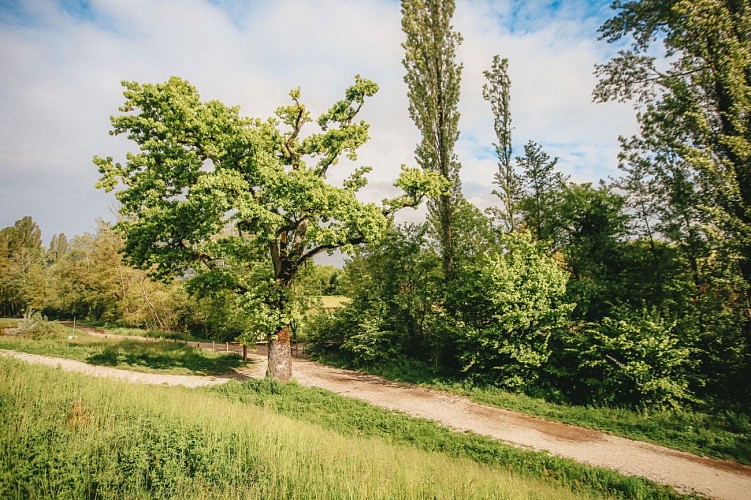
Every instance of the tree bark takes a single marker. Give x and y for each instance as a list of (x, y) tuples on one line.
[(280, 356)]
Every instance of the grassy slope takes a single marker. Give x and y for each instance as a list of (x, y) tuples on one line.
[(155, 334), (98, 438), (352, 417)]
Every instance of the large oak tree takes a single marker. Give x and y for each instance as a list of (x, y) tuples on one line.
[(242, 204)]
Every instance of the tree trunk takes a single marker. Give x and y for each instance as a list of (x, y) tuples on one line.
[(280, 356)]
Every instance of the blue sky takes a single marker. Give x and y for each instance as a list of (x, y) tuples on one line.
[(63, 61)]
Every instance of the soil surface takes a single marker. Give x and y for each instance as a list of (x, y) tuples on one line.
[(684, 471)]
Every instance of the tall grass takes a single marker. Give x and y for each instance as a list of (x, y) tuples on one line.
[(155, 334), (64, 435), (352, 417)]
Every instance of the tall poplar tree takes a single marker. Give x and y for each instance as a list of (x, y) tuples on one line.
[(497, 91), (432, 79)]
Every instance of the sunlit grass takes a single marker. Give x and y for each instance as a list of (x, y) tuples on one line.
[(99, 438), (145, 356), (154, 334), (352, 417), (8, 322)]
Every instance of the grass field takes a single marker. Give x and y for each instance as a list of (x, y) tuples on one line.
[(154, 334), (163, 357), (65, 435), (333, 301)]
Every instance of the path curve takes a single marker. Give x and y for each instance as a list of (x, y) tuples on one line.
[(684, 471), (148, 378)]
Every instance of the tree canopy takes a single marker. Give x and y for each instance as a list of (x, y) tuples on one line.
[(688, 70)]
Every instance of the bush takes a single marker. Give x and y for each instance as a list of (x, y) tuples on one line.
[(34, 325), (351, 333), (508, 304), (636, 357)]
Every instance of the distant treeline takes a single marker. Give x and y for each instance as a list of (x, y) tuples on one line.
[(87, 278)]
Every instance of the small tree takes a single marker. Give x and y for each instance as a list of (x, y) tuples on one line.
[(542, 189), (497, 91), (232, 203)]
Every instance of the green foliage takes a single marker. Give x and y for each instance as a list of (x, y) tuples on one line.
[(33, 325), (240, 206), (508, 305), (497, 91), (21, 268), (433, 83), (474, 233), (393, 286), (91, 282), (358, 332), (542, 189), (319, 280), (591, 231), (638, 357), (688, 167), (58, 248), (368, 344)]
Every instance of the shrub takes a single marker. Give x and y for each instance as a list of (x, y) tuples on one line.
[(637, 357), (360, 338), (34, 325), (508, 305)]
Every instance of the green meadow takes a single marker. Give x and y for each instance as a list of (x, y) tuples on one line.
[(121, 352), (70, 436)]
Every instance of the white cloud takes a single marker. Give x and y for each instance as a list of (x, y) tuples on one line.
[(62, 71)]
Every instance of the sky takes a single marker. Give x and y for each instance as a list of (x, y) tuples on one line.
[(62, 61)]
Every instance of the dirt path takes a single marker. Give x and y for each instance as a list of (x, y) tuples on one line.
[(120, 374), (686, 472)]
